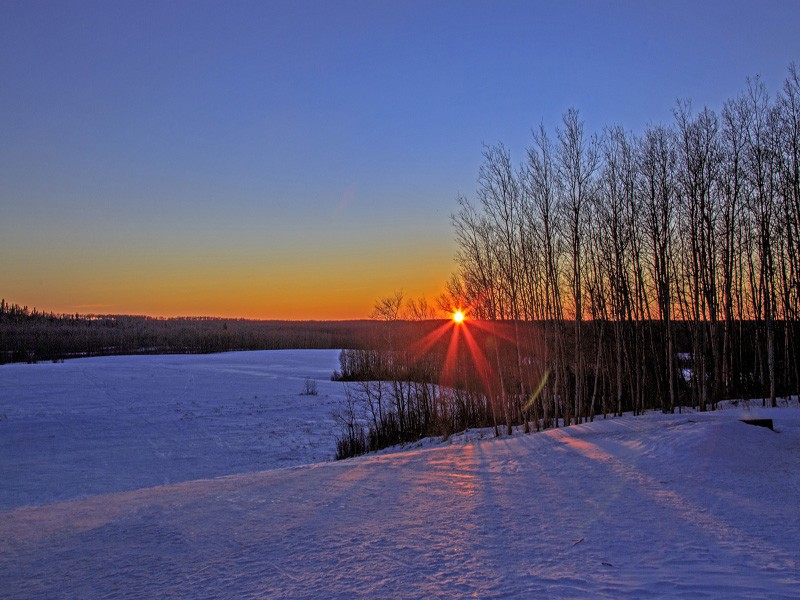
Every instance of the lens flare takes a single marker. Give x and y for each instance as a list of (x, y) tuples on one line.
[(458, 317)]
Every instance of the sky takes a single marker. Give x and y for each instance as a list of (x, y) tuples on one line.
[(301, 159)]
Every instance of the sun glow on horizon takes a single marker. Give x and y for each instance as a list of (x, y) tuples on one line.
[(458, 316)]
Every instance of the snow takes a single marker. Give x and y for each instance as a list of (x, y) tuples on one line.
[(690, 505), (96, 425)]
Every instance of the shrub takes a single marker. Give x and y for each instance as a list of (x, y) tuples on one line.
[(310, 387), (352, 443)]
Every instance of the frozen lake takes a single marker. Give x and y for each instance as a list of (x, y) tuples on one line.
[(108, 424)]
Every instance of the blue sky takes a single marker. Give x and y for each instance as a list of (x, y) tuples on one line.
[(301, 159)]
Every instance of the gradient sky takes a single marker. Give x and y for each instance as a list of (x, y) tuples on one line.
[(301, 159)]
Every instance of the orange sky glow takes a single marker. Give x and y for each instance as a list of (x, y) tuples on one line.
[(316, 286)]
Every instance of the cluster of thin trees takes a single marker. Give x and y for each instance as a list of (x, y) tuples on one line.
[(655, 270), (420, 379), (606, 273), (391, 387)]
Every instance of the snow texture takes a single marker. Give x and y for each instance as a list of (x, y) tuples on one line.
[(693, 505), (108, 424)]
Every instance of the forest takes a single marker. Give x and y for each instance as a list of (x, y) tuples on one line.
[(613, 272), (30, 335)]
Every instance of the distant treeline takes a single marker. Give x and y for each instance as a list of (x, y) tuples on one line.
[(31, 335)]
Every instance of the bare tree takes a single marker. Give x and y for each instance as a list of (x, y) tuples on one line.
[(578, 159), (615, 237), (735, 123), (540, 185), (656, 167), (787, 143), (697, 177), (762, 181), (419, 309), (499, 193), (388, 308)]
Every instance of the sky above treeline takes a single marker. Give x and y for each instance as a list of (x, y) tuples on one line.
[(299, 160)]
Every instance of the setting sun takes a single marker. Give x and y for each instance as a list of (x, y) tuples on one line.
[(458, 317)]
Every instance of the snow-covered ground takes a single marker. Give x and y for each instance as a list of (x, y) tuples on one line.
[(692, 505), (96, 425)]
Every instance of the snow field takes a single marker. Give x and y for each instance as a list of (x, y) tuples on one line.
[(96, 425), (692, 505)]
